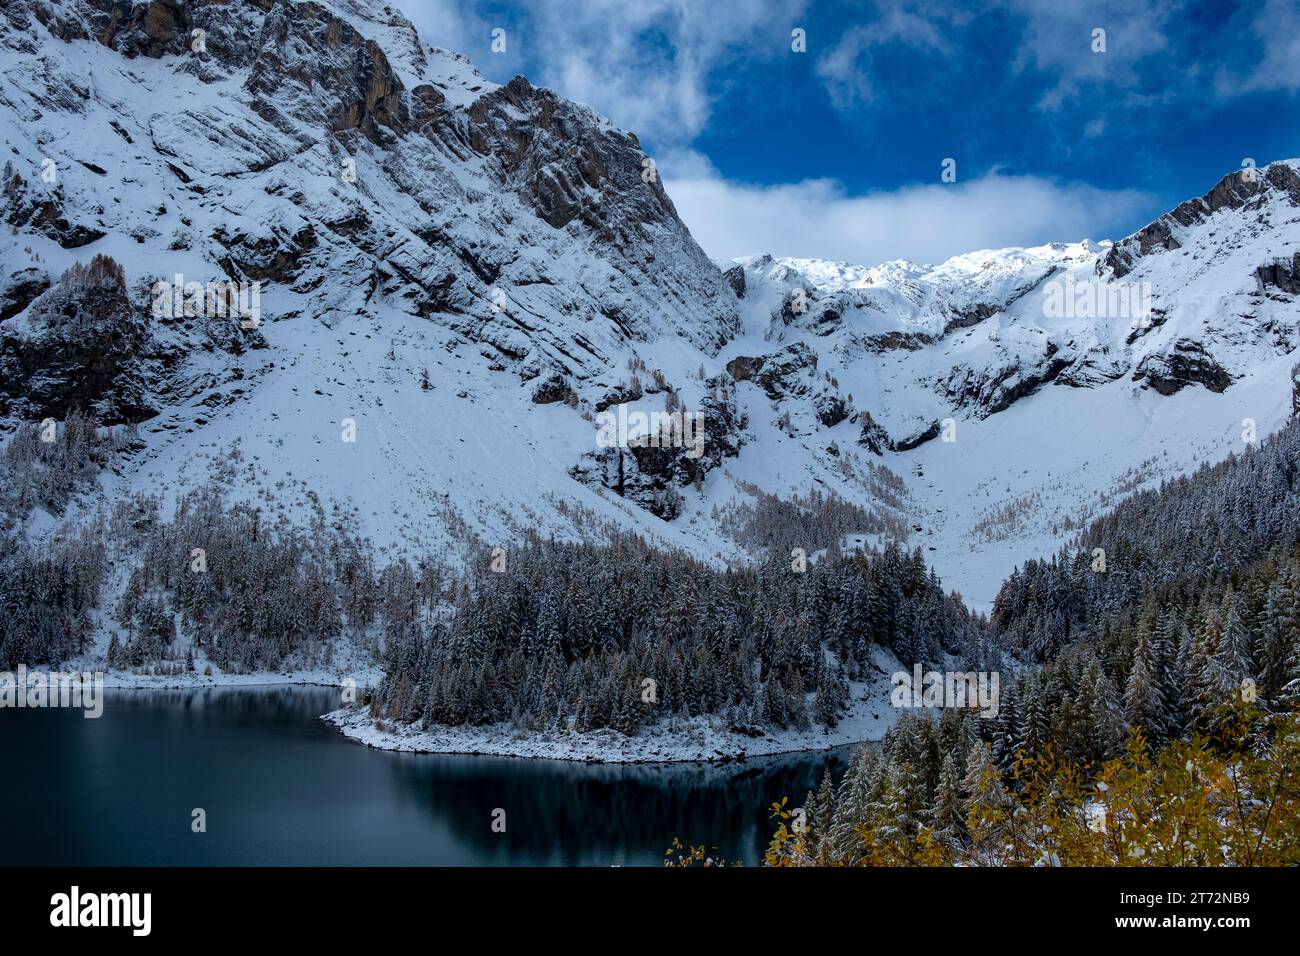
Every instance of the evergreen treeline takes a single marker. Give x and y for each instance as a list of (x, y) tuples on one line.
[(564, 632), (253, 593), (1201, 528), (1152, 687), (1163, 669), (47, 594), (48, 591), (576, 631), (43, 464)]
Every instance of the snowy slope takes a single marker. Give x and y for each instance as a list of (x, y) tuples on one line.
[(512, 246)]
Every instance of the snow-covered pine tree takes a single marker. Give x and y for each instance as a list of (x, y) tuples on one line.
[(1234, 654), (1142, 707), (949, 814), (1280, 631), (852, 801)]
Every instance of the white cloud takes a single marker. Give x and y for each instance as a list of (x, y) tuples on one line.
[(847, 69), (653, 66), (925, 223), (449, 24), (1267, 50), (1058, 40)]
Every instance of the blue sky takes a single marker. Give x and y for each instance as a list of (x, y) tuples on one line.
[(837, 152)]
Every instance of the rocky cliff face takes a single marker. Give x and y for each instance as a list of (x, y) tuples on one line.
[(321, 150), (1253, 192), (471, 274), (359, 168)]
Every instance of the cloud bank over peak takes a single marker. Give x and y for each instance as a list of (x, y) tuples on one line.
[(929, 223)]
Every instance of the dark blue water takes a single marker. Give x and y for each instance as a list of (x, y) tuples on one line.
[(281, 788)]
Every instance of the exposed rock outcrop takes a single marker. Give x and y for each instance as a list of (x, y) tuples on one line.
[(780, 374), (652, 472), (873, 436), (1187, 363), (1281, 274)]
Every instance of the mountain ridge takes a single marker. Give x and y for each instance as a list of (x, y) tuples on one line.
[(504, 266)]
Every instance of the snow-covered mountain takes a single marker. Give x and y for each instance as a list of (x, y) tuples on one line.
[(1203, 296), (471, 274)]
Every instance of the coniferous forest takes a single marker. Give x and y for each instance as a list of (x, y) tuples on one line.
[(576, 630), (1153, 719)]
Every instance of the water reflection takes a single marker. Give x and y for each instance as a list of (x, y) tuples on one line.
[(279, 787), (580, 814)]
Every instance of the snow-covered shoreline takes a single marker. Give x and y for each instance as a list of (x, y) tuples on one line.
[(680, 740), (699, 739), (191, 680), (673, 740), (349, 667), (129, 681)]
